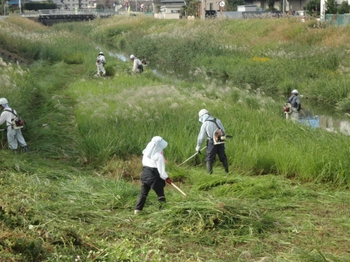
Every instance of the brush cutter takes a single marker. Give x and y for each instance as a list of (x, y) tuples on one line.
[(178, 189), (192, 156)]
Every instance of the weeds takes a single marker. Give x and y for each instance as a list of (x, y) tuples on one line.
[(71, 198)]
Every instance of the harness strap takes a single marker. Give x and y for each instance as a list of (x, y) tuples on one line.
[(214, 121), (11, 111)]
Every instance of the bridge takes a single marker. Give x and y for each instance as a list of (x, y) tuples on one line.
[(52, 16)]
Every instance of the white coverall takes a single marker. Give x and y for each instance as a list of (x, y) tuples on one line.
[(100, 63), (14, 136), (137, 64)]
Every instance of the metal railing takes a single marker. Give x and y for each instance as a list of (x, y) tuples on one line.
[(77, 11)]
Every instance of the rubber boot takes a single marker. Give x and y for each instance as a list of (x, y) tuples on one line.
[(209, 165), (26, 149), (225, 164)]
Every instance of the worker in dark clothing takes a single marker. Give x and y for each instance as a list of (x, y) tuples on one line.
[(215, 141), (153, 174)]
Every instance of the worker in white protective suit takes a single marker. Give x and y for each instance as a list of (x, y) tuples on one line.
[(14, 134), (294, 106), (215, 145), (153, 174), (137, 64), (100, 64)]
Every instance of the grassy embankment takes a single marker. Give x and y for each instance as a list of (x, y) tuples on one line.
[(73, 195)]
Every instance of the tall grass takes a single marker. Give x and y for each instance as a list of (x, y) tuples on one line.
[(72, 197), (35, 41), (227, 49), (119, 116)]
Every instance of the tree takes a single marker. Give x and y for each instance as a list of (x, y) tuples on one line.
[(313, 7), (271, 4), (331, 7), (190, 8), (3, 6), (344, 8)]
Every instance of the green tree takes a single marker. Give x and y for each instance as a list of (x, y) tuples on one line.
[(190, 8), (331, 7), (2, 10), (344, 8), (271, 4), (313, 7)]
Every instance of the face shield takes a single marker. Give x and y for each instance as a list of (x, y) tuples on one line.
[(203, 118)]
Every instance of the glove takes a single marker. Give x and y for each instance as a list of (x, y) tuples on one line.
[(198, 149), (168, 180)]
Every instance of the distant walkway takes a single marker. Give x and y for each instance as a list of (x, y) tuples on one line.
[(52, 16)]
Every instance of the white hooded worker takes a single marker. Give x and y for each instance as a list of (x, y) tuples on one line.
[(137, 64), (209, 126), (153, 174), (14, 135), (295, 105), (100, 64)]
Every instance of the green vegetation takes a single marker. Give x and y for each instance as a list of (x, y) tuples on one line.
[(72, 197)]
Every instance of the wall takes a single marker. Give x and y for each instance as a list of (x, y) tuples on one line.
[(167, 16)]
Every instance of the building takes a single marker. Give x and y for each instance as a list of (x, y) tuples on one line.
[(171, 9), (246, 8)]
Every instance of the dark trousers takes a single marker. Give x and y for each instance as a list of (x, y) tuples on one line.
[(150, 179), (213, 150)]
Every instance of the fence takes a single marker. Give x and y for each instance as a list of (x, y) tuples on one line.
[(338, 19), (251, 14)]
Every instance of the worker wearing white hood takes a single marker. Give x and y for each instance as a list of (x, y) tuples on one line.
[(14, 135), (153, 174), (208, 128)]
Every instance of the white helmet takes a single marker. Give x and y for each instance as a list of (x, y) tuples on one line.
[(203, 112), (295, 91), (100, 53), (3, 101), (132, 56)]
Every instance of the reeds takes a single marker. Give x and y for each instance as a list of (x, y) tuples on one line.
[(73, 195)]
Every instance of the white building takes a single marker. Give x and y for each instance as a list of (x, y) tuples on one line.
[(246, 8)]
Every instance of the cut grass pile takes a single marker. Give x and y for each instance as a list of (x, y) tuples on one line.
[(242, 217)]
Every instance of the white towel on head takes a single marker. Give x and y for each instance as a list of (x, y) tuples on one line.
[(155, 147)]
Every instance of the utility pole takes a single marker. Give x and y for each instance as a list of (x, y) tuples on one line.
[(5, 7), (322, 11)]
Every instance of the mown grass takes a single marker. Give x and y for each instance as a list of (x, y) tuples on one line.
[(72, 197)]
